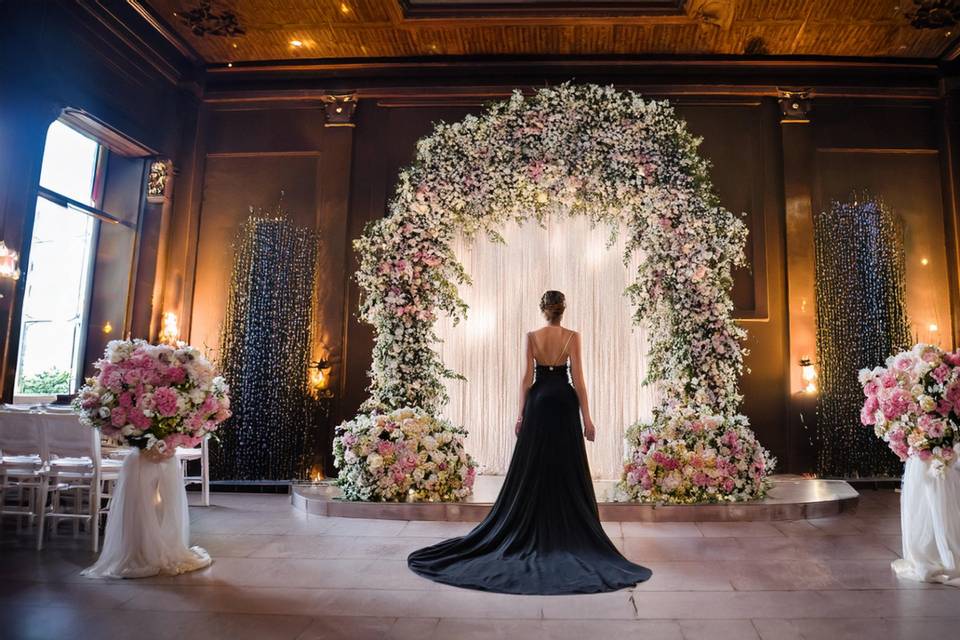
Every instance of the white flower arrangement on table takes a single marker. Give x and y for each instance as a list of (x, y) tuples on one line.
[(690, 457), (154, 397), (567, 150), (913, 403), (405, 455)]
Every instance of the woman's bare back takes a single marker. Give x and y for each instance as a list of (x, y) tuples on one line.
[(551, 344)]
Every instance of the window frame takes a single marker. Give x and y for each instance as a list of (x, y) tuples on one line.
[(99, 216)]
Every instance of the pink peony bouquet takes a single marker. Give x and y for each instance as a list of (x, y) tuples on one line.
[(913, 403), (405, 455), (686, 457), (154, 397)]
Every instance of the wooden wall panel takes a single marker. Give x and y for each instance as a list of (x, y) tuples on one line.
[(910, 185), (740, 139), (233, 184), (892, 150)]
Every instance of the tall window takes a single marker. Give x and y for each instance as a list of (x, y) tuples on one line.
[(57, 296)]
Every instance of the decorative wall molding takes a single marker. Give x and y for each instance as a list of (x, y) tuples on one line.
[(158, 181), (339, 110), (453, 9), (795, 105)]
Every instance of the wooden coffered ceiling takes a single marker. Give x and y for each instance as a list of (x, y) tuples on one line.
[(357, 29)]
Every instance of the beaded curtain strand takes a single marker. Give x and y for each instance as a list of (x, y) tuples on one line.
[(861, 319), (266, 352)]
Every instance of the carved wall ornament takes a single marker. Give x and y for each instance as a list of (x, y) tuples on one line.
[(339, 110), (795, 105), (934, 14), (715, 13), (160, 172), (205, 20)]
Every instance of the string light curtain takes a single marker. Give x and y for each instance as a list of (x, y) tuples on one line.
[(861, 319), (265, 349), (488, 348)]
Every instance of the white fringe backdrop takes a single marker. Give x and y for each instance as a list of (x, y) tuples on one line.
[(488, 348)]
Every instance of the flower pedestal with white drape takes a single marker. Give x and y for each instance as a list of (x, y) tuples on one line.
[(148, 526), (930, 522)]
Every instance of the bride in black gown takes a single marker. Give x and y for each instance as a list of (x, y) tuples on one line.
[(543, 534)]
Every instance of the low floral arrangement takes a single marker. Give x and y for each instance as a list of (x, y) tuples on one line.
[(913, 403), (405, 455), (154, 397), (684, 457)]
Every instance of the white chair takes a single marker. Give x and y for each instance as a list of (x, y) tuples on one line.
[(201, 453), (74, 468), (21, 463)]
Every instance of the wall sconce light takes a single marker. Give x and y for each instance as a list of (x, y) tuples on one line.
[(107, 327), (809, 374), (169, 329), (320, 378), (8, 262)]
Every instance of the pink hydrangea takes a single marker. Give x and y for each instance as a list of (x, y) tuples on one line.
[(165, 400)]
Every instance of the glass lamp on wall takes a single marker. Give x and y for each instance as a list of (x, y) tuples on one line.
[(320, 378), (809, 375)]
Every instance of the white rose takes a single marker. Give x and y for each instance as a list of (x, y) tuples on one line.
[(927, 403), (374, 461), (104, 412)]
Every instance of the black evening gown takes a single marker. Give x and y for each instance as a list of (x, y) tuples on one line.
[(543, 534)]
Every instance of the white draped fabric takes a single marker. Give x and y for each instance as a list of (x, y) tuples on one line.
[(488, 348), (148, 527), (930, 524)]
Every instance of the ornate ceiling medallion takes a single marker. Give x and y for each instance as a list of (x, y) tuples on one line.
[(934, 14), (204, 20)]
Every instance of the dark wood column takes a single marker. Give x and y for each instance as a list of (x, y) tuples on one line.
[(798, 180), (333, 212), (950, 172)]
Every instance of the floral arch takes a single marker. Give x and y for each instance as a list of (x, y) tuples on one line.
[(611, 156)]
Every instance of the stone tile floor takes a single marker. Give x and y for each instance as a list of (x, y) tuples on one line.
[(281, 574)]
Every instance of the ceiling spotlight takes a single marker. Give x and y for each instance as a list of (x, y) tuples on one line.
[(924, 261), (933, 327), (344, 7), (296, 43)]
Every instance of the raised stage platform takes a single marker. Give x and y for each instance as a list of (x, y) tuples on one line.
[(790, 498)]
